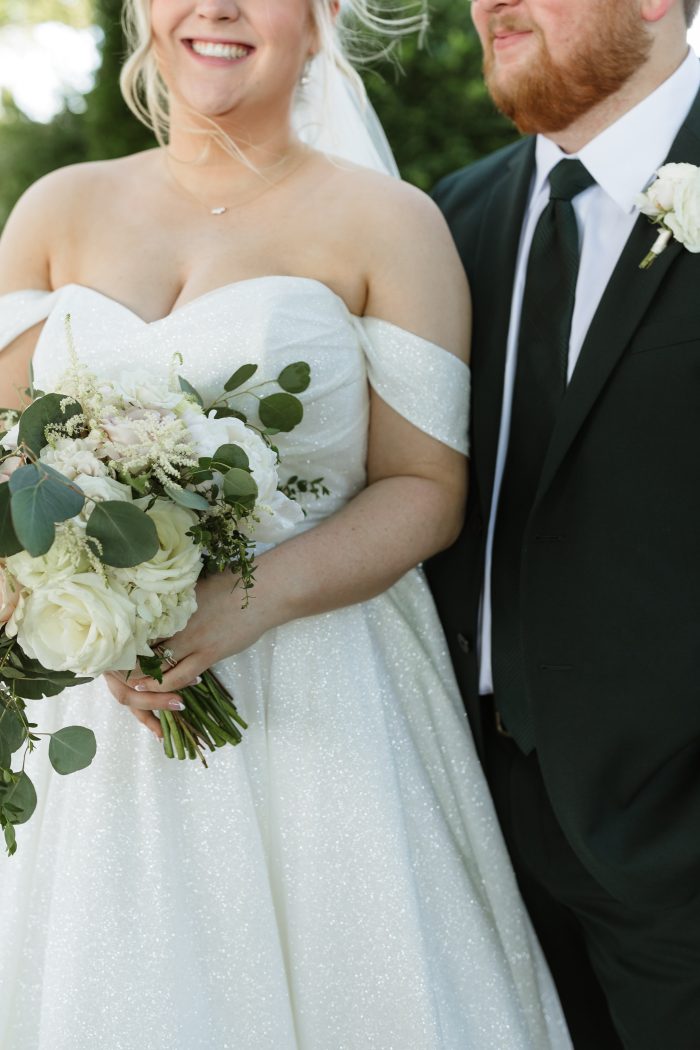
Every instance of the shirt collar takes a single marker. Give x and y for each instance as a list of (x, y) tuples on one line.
[(624, 157)]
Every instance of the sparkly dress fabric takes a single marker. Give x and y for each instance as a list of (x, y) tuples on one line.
[(338, 881)]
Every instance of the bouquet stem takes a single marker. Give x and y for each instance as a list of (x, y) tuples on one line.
[(210, 720)]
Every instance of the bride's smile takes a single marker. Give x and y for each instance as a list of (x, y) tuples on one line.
[(238, 60)]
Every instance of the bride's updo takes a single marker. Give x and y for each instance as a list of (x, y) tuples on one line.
[(365, 29)]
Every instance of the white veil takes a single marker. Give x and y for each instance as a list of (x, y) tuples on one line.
[(333, 117)]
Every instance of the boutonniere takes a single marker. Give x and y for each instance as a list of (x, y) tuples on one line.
[(672, 202)]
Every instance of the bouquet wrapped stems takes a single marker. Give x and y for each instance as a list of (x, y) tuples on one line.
[(210, 720)]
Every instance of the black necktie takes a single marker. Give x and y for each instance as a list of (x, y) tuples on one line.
[(540, 382)]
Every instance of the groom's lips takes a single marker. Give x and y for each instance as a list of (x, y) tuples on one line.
[(509, 38)]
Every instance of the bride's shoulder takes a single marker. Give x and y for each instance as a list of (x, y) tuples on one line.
[(400, 239), (52, 212), (66, 191)]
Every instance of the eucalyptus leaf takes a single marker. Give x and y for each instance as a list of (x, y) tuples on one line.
[(127, 536), (12, 731), (230, 413), (41, 497), (240, 488), (186, 498), (9, 544), (21, 795), (227, 456), (40, 414), (71, 749), (187, 388), (10, 838), (281, 412), (240, 376), (295, 378)]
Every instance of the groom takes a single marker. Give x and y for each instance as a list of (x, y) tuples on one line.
[(572, 600)]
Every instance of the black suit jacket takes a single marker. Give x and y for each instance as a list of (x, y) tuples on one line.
[(610, 570)]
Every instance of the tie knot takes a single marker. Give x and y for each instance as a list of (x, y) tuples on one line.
[(568, 179)]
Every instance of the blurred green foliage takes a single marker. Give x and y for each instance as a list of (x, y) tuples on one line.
[(432, 103)]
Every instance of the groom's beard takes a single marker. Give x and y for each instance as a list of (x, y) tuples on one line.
[(547, 97)]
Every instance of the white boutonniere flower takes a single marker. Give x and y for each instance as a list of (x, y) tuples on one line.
[(672, 202)]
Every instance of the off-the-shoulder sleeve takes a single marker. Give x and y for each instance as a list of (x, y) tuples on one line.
[(20, 311), (421, 381)]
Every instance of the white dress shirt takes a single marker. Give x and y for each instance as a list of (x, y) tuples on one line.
[(622, 160)]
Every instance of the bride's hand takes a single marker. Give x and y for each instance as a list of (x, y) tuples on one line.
[(219, 628)]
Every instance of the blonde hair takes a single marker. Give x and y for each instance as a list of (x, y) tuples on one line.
[(366, 29)]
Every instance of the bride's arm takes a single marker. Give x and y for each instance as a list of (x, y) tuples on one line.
[(412, 506), (24, 264)]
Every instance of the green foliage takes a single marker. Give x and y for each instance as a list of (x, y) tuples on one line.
[(124, 534), (41, 497), (435, 109), (71, 749)]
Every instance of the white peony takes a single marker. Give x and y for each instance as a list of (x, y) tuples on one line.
[(84, 624), (160, 616), (74, 456), (276, 513), (98, 490), (65, 558), (177, 564)]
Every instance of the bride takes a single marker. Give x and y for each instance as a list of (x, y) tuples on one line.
[(337, 882)]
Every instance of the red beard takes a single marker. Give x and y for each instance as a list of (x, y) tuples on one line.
[(547, 97)]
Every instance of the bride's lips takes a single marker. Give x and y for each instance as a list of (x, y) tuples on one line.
[(218, 52)]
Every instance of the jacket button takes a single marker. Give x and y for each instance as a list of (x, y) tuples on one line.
[(464, 643)]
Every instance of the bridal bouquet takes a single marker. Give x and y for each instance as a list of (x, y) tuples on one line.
[(115, 496)]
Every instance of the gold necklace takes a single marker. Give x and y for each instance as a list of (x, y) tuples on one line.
[(223, 209)]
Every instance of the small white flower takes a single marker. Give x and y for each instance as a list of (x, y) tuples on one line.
[(672, 201), (74, 456)]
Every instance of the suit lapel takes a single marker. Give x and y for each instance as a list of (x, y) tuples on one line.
[(627, 298), (493, 280)]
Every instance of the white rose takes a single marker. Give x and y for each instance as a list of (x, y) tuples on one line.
[(101, 489), (9, 594), (84, 624), (684, 219), (177, 564), (148, 390), (660, 197), (64, 559), (73, 456)]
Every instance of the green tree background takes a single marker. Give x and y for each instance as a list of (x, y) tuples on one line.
[(433, 103)]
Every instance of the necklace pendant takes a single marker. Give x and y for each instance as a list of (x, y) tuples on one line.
[(219, 211)]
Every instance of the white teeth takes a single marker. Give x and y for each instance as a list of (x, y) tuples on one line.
[(211, 50)]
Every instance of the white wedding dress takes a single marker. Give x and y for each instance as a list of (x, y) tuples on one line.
[(338, 881)]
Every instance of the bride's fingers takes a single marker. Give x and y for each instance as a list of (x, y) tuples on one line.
[(143, 699), (186, 672), (149, 720)]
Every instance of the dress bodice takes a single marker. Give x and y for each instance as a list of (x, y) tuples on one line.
[(271, 322)]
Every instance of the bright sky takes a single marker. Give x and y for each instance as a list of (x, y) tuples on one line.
[(41, 64)]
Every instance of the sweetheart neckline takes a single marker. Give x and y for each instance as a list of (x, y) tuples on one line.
[(229, 286)]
